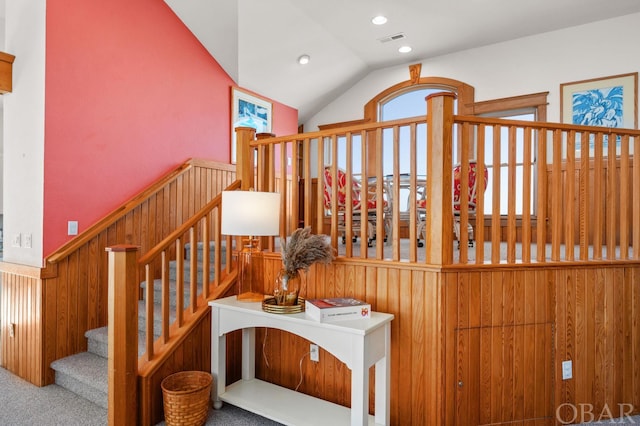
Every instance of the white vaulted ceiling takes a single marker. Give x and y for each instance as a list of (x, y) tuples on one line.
[(258, 41)]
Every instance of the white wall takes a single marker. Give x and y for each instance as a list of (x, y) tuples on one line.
[(518, 67), (23, 112)]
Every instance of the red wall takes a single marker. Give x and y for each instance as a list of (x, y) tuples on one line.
[(130, 94)]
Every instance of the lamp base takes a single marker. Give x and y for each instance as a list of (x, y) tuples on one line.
[(250, 296)]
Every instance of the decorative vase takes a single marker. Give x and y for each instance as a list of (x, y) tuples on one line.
[(287, 287)]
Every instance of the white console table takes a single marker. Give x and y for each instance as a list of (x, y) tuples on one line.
[(358, 343)]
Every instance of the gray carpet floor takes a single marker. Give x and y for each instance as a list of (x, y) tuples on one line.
[(22, 403)]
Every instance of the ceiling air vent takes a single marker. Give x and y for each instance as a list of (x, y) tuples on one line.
[(393, 37)]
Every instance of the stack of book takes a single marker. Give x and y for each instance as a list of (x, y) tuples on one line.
[(337, 309)]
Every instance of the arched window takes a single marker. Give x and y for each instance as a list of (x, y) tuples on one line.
[(407, 103), (407, 100)]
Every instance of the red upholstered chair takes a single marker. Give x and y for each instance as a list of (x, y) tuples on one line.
[(359, 197), (457, 186), (472, 197)]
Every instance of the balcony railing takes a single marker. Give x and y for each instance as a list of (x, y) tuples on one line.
[(555, 192)]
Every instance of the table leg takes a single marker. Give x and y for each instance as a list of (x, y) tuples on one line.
[(359, 387), (383, 385), (218, 362), (248, 353)]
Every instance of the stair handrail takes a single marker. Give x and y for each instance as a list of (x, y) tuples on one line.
[(93, 230)]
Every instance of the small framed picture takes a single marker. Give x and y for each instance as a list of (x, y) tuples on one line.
[(248, 111)]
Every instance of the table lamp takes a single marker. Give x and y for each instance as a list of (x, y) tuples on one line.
[(250, 214)]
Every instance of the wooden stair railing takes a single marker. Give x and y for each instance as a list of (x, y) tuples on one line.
[(157, 360), (198, 230)]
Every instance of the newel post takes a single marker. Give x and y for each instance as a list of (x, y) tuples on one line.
[(123, 334), (439, 220), (244, 156)]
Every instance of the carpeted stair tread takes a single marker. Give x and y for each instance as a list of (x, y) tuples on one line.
[(157, 316), (199, 249), (98, 339), (84, 373), (157, 292)]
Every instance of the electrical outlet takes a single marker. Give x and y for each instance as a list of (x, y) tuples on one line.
[(314, 353), (567, 370), (27, 241), (16, 241)]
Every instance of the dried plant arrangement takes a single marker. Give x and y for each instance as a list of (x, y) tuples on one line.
[(304, 249)]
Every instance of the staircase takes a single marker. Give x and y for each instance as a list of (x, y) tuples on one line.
[(86, 373)]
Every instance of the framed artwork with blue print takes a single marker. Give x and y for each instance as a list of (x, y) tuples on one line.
[(248, 111), (603, 102)]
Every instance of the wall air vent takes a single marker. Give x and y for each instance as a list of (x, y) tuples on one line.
[(393, 37)]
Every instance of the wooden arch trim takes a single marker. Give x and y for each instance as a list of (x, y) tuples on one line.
[(464, 91)]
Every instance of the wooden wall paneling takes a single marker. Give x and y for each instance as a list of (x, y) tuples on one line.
[(600, 345), (589, 309), (423, 365), (22, 306), (172, 202), (502, 353), (634, 275), (72, 304), (580, 331), (450, 322), (616, 379), (433, 306), (61, 313), (405, 379), (392, 287), (93, 277), (82, 296), (569, 279), (49, 336), (559, 337)]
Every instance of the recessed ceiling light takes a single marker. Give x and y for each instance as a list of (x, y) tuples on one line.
[(379, 20), (404, 49), (304, 59)]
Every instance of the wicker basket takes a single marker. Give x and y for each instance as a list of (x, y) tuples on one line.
[(186, 397)]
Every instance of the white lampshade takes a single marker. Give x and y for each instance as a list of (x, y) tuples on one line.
[(250, 213)]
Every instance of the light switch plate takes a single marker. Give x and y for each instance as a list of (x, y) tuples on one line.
[(72, 227)]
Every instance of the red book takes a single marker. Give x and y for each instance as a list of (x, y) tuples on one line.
[(337, 309)]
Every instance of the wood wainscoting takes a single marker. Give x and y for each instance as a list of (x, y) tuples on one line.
[(485, 345), (54, 306), (21, 333)]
